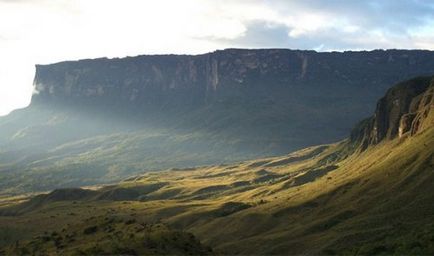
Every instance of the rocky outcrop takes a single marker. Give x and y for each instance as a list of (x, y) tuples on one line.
[(421, 114), (406, 109)]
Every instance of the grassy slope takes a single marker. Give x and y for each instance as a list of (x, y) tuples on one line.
[(307, 202), (100, 235), (43, 142)]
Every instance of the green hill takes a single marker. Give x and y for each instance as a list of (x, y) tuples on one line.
[(367, 195)]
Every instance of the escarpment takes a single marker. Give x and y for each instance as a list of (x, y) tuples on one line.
[(231, 73), (407, 109), (106, 119), (293, 94), (421, 114)]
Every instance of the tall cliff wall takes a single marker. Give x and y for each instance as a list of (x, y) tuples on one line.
[(162, 79), (406, 109), (286, 99)]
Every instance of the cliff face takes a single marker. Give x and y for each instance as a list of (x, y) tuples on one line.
[(258, 102), (97, 121), (192, 80), (407, 108)]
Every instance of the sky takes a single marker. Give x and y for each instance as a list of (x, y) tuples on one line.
[(47, 31)]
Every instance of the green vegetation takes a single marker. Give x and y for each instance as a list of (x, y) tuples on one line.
[(361, 196), (102, 235), (377, 201)]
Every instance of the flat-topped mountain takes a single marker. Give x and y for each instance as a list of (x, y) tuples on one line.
[(297, 97), (100, 120), (233, 73)]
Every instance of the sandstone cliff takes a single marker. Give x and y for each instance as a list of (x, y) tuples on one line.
[(407, 109), (98, 121), (288, 98), (162, 79)]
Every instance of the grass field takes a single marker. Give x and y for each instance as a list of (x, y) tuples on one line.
[(317, 200)]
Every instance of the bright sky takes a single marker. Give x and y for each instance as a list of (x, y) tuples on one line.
[(46, 31)]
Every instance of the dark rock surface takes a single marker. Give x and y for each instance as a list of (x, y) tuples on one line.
[(254, 92), (200, 79), (407, 108)]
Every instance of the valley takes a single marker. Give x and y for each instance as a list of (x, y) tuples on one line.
[(221, 128), (99, 121), (369, 194)]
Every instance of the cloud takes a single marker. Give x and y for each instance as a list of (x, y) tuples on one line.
[(394, 15), (46, 31), (340, 25)]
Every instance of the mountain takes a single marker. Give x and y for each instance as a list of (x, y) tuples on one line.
[(406, 109), (369, 194), (102, 120)]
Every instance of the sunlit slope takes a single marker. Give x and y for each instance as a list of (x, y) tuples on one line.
[(46, 148), (382, 197), (370, 194), (378, 200)]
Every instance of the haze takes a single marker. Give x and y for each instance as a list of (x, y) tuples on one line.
[(45, 31)]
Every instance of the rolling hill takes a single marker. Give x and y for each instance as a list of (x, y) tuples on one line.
[(369, 194)]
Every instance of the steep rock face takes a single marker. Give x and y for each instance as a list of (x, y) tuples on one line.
[(407, 108), (288, 98), (164, 79), (421, 114)]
